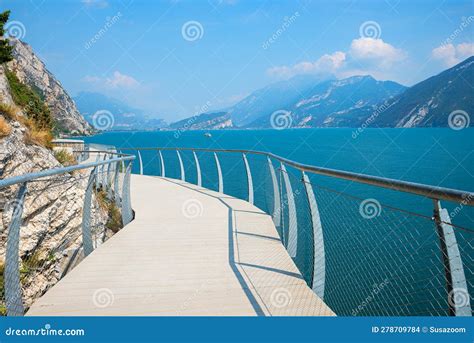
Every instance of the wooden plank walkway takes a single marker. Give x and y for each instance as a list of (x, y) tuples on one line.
[(190, 251)]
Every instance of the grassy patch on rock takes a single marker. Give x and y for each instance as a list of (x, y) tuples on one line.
[(39, 120), (64, 157), (114, 220), (5, 128)]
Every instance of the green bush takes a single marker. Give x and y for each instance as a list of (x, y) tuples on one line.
[(114, 220), (31, 102), (64, 157), (5, 48)]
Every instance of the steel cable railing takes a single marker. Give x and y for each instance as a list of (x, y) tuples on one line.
[(360, 254), (51, 219)]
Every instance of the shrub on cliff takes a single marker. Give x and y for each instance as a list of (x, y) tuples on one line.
[(5, 128), (39, 119), (5, 48), (31, 102), (65, 158)]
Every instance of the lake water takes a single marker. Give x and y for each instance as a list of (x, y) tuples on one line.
[(394, 254)]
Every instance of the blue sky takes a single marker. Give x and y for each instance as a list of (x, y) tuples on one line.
[(174, 58)]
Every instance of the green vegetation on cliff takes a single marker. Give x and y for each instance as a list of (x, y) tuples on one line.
[(39, 119), (5, 48)]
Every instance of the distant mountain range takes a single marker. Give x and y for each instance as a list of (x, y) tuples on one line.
[(350, 102), (125, 117)]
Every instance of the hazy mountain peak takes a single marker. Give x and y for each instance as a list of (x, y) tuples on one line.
[(125, 117)]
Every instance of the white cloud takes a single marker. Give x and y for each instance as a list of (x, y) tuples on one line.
[(119, 80), (375, 52), (451, 54), (325, 64), (365, 56), (116, 81)]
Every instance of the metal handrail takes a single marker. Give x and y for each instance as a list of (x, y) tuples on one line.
[(432, 192), (12, 280), (56, 171)]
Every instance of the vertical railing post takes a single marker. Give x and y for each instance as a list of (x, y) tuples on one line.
[(97, 159), (86, 215), (12, 283), (219, 174), (162, 162), (107, 174), (140, 162), (292, 245), (276, 195), (103, 173), (319, 259), (127, 214), (110, 169), (456, 285), (116, 184), (249, 179), (181, 166), (198, 170)]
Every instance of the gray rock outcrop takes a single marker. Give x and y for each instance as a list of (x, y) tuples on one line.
[(50, 235), (32, 71)]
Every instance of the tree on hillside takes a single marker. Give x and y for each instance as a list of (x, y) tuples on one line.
[(5, 48)]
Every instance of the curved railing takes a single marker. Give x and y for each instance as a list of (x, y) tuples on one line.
[(361, 255), (97, 187)]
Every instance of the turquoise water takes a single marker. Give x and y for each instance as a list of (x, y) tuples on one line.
[(434, 156), (399, 245)]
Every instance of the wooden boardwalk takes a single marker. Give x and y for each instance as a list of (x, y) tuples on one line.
[(190, 251)]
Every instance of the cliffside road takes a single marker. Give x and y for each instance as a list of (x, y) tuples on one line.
[(189, 251)]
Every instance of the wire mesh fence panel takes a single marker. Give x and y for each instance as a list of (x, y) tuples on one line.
[(234, 175), (380, 260), (189, 164), (50, 235), (50, 232), (208, 170), (262, 183), (170, 162)]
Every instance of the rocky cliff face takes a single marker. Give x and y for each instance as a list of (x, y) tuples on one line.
[(31, 70), (50, 235)]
